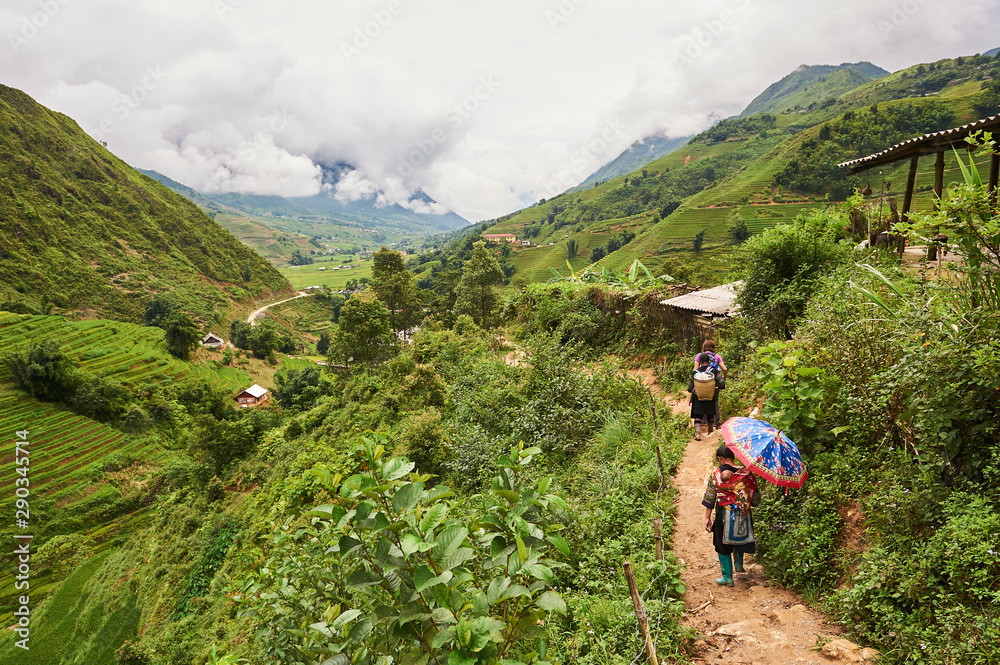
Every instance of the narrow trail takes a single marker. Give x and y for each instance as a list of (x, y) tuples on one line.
[(753, 623), (257, 313)]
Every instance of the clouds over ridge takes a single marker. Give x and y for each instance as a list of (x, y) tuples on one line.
[(484, 107)]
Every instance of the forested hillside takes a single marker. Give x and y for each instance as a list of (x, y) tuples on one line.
[(82, 232), (749, 173)]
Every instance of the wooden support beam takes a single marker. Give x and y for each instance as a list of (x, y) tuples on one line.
[(939, 176), (938, 191), (911, 181)]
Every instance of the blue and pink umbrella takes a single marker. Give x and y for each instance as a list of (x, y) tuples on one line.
[(766, 451)]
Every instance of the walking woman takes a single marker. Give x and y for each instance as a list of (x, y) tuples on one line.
[(731, 492), (718, 367)]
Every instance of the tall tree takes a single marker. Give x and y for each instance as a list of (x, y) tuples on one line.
[(477, 291), (364, 335), (180, 333), (393, 285)]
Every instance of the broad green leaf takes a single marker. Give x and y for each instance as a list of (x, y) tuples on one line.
[(433, 516), (443, 615), (327, 511), (459, 657), (559, 542), (809, 371), (406, 497), (522, 551), (481, 629), (464, 631), (551, 602), (360, 631), (321, 627), (345, 618), (444, 637), (438, 493), (411, 543), (396, 468), (361, 578), (424, 577), (448, 541), (515, 591), (354, 485), (347, 545), (539, 572), (510, 495), (458, 557), (497, 587), (480, 603)]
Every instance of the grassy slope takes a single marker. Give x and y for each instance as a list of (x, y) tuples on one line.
[(748, 187), (86, 233)]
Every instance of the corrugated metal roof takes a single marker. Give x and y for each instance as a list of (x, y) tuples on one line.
[(719, 300), (908, 147), (255, 391)]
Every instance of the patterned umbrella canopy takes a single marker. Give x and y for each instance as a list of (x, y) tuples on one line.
[(765, 451)]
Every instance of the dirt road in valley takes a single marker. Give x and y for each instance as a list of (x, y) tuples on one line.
[(257, 313)]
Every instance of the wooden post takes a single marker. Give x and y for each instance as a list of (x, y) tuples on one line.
[(932, 248), (911, 181), (658, 537), (659, 463), (640, 614)]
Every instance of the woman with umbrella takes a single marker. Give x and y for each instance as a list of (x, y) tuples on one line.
[(766, 452), (731, 492)]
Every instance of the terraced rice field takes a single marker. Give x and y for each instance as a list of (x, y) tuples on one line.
[(125, 352), (66, 449)]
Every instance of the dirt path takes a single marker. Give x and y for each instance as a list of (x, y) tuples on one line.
[(256, 314), (753, 622)]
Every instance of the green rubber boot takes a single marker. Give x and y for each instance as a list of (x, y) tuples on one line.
[(738, 562), (726, 561)]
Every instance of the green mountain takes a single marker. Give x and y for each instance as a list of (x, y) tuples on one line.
[(635, 156), (82, 232), (766, 168), (812, 84)]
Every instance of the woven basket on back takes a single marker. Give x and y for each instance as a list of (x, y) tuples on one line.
[(704, 385)]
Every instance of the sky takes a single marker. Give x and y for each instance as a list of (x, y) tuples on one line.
[(485, 106)]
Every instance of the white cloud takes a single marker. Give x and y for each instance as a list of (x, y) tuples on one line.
[(481, 105)]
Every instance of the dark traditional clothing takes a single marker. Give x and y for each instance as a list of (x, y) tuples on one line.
[(703, 411), (739, 494)]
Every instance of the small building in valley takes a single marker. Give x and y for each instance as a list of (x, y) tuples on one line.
[(212, 341), (500, 237), (253, 396)]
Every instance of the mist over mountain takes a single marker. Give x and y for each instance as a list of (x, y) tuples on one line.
[(343, 197)]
